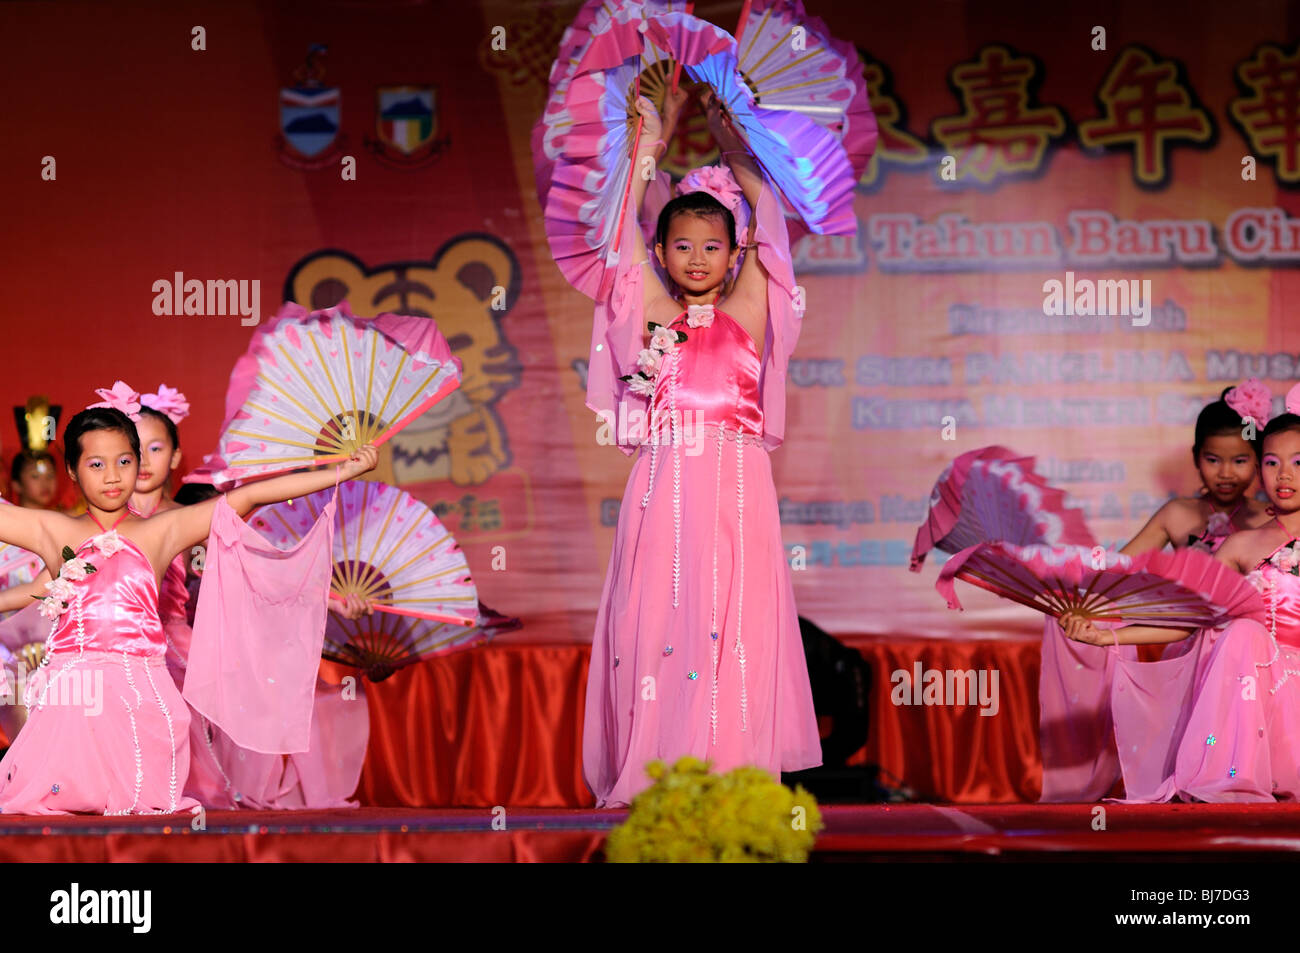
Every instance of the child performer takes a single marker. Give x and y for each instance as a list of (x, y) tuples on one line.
[(1076, 735), (697, 647), (1214, 719), (132, 754)]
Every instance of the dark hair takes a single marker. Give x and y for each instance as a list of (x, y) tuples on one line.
[(192, 493), (27, 458), (167, 422), (97, 418), (1279, 424), (1217, 419), (701, 204)]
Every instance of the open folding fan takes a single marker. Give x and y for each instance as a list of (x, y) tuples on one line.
[(791, 61), (805, 160), (317, 386), (593, 19), (593, 129), (1182, 589), (388, 548), (994, 494), (381, 644)]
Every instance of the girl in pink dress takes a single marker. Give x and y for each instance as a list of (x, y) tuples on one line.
[(697, 647), (1076, 735), (1216, 718), (108, 731)]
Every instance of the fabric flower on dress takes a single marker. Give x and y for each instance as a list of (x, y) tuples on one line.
[(75, 570), (51, 608), (1220, 524), (169, 402), (1251, 399), (1257, 580), (61, 589), (663, 339), (650, 361), (1287, 559), (120, 397), (108, 544), (699, 316), (642, 385)]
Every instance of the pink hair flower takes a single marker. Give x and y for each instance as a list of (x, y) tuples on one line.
[(120, 397), (1293, 400), (169, 402), (718, 181), (1251, 399)]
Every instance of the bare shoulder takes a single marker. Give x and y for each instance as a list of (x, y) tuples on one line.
[(1244, 549)]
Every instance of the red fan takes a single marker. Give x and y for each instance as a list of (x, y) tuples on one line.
[(994, 494), (1182, 589)]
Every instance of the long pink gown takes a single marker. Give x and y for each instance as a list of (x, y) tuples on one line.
[(107, 732), (1215, 718), (697, 647)]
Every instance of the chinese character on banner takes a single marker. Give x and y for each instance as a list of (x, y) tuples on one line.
[(1270, 119), (999, 133), (894, 145), (1147, 109)]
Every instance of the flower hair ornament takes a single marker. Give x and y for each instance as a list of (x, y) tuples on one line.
[(718, 181), (1293, 400), (169, 402), (1252, 400), (120, 397)]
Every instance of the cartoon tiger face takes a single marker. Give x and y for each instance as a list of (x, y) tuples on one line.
[(455, 289), (459, 439)]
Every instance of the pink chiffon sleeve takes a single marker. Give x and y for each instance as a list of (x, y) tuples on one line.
[(258, 632), (784, 321), (617, 337)]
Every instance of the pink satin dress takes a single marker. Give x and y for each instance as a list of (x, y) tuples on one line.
[(1214, 720), (697, 649), (107, 732), (1076, 731)]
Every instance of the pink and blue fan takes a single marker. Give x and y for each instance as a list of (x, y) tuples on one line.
[(806, 160)]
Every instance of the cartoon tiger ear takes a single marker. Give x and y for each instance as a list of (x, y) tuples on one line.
[(323, 280), (480, 264)]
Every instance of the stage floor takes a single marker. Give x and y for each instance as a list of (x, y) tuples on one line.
[(867, 832)]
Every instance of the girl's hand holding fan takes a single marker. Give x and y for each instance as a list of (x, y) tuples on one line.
[(1080, 629)]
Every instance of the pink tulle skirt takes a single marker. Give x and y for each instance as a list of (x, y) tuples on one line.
[(651, 689), (107, 733)]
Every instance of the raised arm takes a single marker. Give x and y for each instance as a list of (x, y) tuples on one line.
[(37, 531), (751, 283), (657, 304), (184, 527)]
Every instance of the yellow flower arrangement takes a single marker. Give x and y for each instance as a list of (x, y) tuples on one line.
[(690, 815)]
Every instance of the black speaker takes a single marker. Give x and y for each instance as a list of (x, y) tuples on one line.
[(841, 685)]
